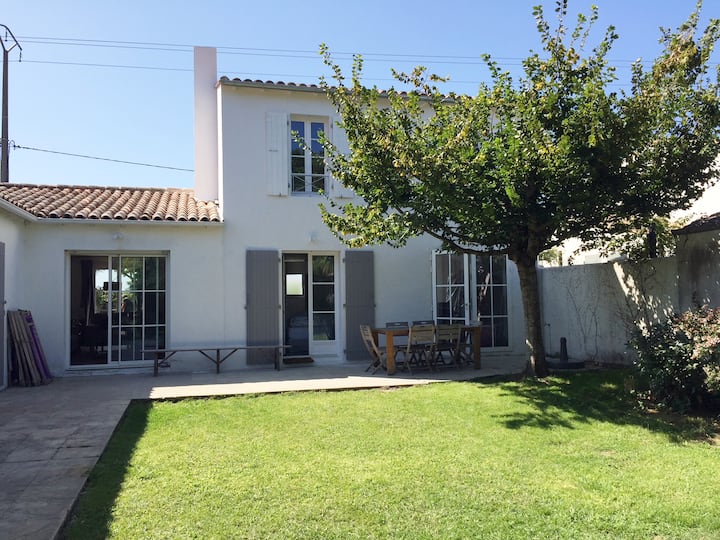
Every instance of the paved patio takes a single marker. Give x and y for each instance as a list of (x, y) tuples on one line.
[(52, 436)]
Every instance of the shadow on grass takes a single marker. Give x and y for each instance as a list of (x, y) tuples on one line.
[(91, 516), (570, 399)]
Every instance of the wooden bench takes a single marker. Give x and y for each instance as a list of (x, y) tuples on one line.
[(217, 355)]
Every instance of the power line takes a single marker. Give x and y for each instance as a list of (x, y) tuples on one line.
[(283, 53), (18, 147)]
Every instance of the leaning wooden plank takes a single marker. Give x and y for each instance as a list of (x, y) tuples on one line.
[(18, 371), (29, 353), (38, 352), (35, 374), (24, 352)]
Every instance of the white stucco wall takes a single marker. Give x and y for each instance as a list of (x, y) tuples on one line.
[(11, 234), (194, 281), (254, 219)]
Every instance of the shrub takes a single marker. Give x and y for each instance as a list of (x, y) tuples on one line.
[(679, 360)]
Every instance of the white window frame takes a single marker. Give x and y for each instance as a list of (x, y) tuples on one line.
[(470, 285), (310, 177)]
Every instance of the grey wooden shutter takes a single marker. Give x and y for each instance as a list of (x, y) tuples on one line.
[(263, 303), (359, 300), (277, 141)]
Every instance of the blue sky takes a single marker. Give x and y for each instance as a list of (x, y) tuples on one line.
[(93, 80)]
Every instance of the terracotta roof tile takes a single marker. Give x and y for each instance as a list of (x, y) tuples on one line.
[(109, 203)]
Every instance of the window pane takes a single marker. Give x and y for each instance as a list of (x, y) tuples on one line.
[(457, 267), (131, 344), (500, 332), (318, 165), (486, 332), (151, 338), (297, 164), (324, 297), (297, 131), (298, 182), (324, 326), (318, 184), (151, 308), (161, 308), (132, 273), (499, 300), (151, 274), (484, 302), (316, 128), (443, 301), (115, 306), (442, 269), (458, 302), (498, 269), (323, 268), (482, 263), (161, 337), (161, 273), (131, 308)]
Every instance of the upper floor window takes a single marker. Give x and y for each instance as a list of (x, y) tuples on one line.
[(307, 156)]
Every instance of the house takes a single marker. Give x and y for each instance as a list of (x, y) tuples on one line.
[(242, 258), (698, 262)]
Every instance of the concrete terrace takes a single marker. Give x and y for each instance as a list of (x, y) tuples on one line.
[(51, 436)]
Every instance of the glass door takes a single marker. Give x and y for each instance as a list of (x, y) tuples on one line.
[(117, 306), (295, 304), (469, 289), (451, 291), (309, 306)]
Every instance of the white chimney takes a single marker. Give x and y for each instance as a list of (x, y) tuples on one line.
[(206, 124)]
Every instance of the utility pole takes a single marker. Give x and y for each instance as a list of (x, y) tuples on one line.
[(7, 46)]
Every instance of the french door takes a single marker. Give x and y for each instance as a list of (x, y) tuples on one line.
[(309, 303), (118, 308), (472, 289)]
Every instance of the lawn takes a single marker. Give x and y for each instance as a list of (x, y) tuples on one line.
[(571, 457)]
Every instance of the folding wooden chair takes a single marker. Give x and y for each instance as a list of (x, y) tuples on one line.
[(378, 355), (420, 350), (447, 341)]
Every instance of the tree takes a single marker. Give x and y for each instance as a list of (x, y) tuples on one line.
[(522, 166)]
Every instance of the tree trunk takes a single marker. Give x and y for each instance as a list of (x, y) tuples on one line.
[(533, 320)]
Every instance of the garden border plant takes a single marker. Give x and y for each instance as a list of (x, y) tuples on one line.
[(679, 361)]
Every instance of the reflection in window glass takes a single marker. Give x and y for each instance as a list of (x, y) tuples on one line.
[(294, 285)]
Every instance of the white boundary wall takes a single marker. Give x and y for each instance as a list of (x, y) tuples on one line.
[(596, 306)]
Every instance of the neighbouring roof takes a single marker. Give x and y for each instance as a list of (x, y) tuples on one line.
[(280, 85), (272, 84), (703, 224), (109, 203)]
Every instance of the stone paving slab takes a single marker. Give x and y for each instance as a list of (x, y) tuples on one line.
[(51, 436)]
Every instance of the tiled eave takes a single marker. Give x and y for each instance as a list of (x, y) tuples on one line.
[(91, 203)]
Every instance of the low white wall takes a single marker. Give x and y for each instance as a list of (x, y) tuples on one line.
[(596, 306)]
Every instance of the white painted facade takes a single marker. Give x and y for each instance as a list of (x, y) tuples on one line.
[(207, 296)]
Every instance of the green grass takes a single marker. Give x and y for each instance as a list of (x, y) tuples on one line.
[(566, 458)]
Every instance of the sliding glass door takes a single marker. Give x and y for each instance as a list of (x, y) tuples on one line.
[(117, 305)]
